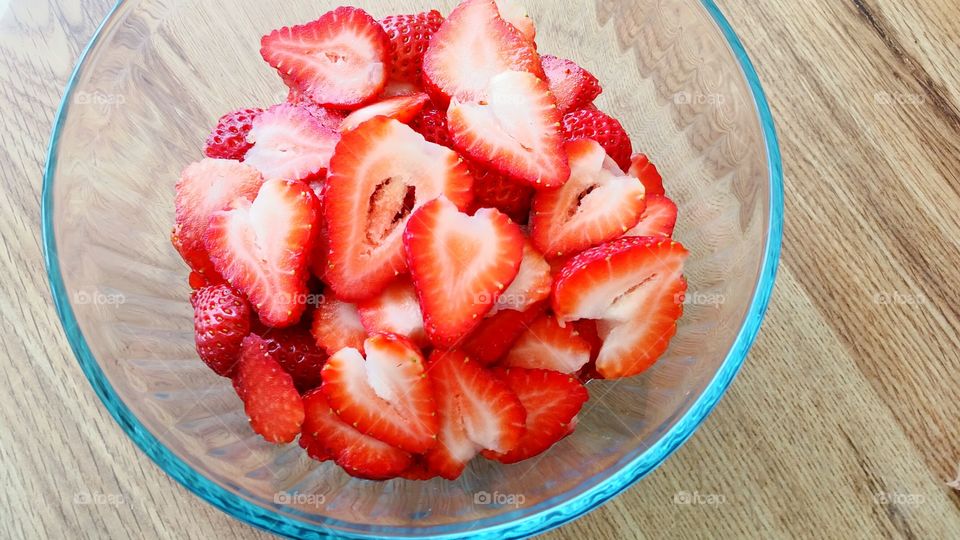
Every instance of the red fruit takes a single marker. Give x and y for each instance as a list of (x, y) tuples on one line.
[(221, 319), (418, 470), (495, 335), (229, 139), (328, 118), (641, 167), (531, 286), (476, 409), (289, 143), (658, 219), (269, 397), (606, 130), (339, 60), (205, 187), (598, 203), (360, 455), (336, 325), (588, 331), (493, 190), (514, 131), (516, 15), (547, 345), (387, 395), (395, 88), (314, 447), (298, 354), (262, 248), (402, 108), (199, 281), (460, 264), (473, 46), (552, 400), (381, 173), (396, 310), (432, 124), (409, 37), (573, 86)]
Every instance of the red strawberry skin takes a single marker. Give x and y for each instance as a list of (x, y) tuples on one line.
[(573, 86), (229, 139), (409, 37), (298, 354), (658, 219), (432, 124), (603, 128), (642, 168), (269, 397), (493, 190), (221, 319), (492, 339)]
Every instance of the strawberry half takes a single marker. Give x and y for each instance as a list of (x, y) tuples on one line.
[(270, 399), (493, 190), (289, 143), (473, 46), (396, 310), (514, 130), (262, 248), (339, 60), (641, 167), (403, 108), (552, 401), (547, 345), (221, 319), (460, 264), (229, 139), (494, 336), (515, 14), (409, 37), (598, 203), (204, 188), (297, 353), (476, 411), (573, 86), (659, 218), (328, 118), (360, 455), (531, 286), (592, 123), (336, 325), (381, 173), (314, 447), (387, 395)]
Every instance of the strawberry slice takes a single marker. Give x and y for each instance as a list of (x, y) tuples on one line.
[(658, 219), (531, 286), (460, 264), (598, 203), (382, 172), (418, 471), (360, 455), (432, 124), (592, 123), (289, 143), (229, 139), (515, 14), (547, 345), (262, 248), (494, 336), (472, 46), (476, 410), (387, 395), (514, 131), (221, 319), (552, 401), (328, 118), (403, 108), (336, 325), (297, 353), (314, 447), (396, 310), (338, 60), (409, 38), (641, 167), (493, 190), (573, 86), (270, 399), (205, 187)]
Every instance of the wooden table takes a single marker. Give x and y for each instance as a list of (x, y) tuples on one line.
[(844, 421)]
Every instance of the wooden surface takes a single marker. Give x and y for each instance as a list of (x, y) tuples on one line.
[(843, 422)]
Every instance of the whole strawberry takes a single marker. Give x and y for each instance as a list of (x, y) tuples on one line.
[(297, 352), (229, 139), (606, 130), (221, 319), (409, 38), (270, 399)]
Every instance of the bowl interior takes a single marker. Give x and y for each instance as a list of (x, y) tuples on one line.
[(150, 89)]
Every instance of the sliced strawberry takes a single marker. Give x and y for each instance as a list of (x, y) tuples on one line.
[(598, 126), (204, 188), (515, 14), (476, 410), (360, 455), (659, 218), (514, 131), (314, 447), (547, 345), (298, 354), (573, 86), (340, 60), (493, 190), (552, 401), (381, 173), (269, 397), (432, 124), (328, 118), (196, 280), (409, 37), (229, 139), (531, 286), (399, 88), (396, 310), (641, 167), (419, 470), (588, 331), (262, 248), (474, 45), (402, 108), (598, 203), (460, 264), (494, 336), (289, 143), (336, 325), (387, 395), (221, 319)]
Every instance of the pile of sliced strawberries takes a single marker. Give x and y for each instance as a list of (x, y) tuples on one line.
[(423, 254)]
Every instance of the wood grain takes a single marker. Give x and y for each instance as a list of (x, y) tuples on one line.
[(842, 423)]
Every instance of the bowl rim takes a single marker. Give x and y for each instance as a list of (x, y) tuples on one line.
[(539, 522)]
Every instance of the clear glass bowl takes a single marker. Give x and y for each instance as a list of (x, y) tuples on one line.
[(146, 92)]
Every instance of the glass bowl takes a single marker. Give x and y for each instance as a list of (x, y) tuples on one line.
[(149, 88)]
